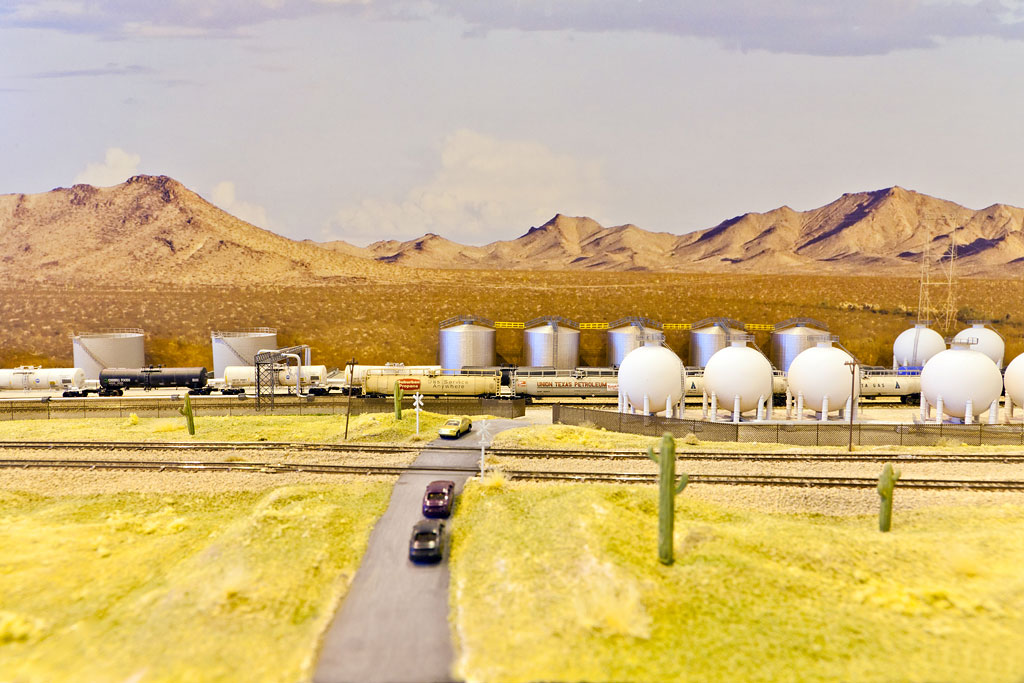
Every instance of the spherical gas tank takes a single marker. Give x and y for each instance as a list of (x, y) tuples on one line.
[(959, 374), (738, 371), (819, 372), (653, 371), (915, 346), (989, 342), (1014, 380)]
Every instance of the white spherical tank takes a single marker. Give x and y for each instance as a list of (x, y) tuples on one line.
[(915, 346), (653, 371), (989, 341), (1014, 380), (959, 374), (738, 371), (819, 372)]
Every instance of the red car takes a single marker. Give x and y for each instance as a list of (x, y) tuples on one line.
[(438, 498)]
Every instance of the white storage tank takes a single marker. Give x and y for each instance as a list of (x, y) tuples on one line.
[(1014, 380), (652, 371), (711, 335), (35, 378), (988, 341), (915, 346), (792, 337), (239, 347), (466, 340), (740, 371), (958, 375), (627, 334), (115, 348), (551, 341), (822, 372)]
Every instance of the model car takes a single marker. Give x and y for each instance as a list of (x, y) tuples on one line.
[(427, 541), (438, 499), (455, 427)]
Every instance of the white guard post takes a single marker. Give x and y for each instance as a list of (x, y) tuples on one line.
[(993, 412), (483, 445), (417, 403), (668, 406), (736, 408)]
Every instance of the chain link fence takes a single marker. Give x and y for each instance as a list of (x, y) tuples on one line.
[(807, 434), (36, 409)]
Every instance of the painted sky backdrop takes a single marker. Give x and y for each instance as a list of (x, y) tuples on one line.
[(386, 119)]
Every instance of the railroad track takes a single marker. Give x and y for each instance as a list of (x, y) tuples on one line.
[(208, 446), (577, 476)]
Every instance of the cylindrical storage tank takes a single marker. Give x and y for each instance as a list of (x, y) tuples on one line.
[(653, 371), (1014, 380), (958, 374), (822, 371), (118, 348), (239, 347), (709, 336), (551, 342), (627, 334), (914, 347), (738, 370), (30, 378), (988, 341), (792, 337), (466, 340)]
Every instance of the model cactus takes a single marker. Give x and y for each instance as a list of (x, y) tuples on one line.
[(399, 395), (886, 483), (190, 419), (668, 489)]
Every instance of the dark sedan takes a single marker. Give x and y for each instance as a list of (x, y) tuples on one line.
[(427, 541), (438, 499)]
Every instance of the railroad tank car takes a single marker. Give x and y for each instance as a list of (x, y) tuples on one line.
[(355, 374), (580, 382), (240, 376), (433, 383), (36, 378), (116, 380), (903, 383)]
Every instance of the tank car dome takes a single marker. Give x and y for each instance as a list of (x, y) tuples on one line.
[(738, 371), (989, 341), (653, 371), (915, 346), (1014, 379), (819, 372), (959, 374)]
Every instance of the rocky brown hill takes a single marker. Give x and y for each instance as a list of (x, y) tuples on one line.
[(153, 229)]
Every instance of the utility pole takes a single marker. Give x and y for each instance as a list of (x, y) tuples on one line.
[(348, 412), (853, 395)]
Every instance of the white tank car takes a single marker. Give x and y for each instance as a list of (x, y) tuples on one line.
[(877, 382), (238, 376), (541, 382), (358, 372), (33, 378), (432, 383)]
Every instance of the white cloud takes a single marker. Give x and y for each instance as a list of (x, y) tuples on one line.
[(224, 197), (486, 189), (118, 167)]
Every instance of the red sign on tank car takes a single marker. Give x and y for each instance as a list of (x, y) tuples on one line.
[(409, 384)]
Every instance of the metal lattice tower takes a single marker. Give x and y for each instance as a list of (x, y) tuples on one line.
[(926, 310)]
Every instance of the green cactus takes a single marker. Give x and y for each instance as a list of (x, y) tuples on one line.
[(668, 489), (399, 395), (189, 417), (886, 483)]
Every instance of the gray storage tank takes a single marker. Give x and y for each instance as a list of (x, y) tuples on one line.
[(466, 340), (123, 347), (627, 334), (710, 335), (551, 341), (239, 347), (792, 336)]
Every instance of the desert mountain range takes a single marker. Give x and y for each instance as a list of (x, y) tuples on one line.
[(152, 229)]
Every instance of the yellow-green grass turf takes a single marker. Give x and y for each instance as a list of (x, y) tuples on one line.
[(561, 582), (372, 427), (232, 586)]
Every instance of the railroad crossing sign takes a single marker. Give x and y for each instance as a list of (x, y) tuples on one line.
[(417, 403)]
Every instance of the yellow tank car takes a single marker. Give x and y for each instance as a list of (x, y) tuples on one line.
[(431, 383)]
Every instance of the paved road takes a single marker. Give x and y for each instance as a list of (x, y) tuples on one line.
[(393, 625)]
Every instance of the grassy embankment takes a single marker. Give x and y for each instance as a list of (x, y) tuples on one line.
[(232, 586), (372, 427), (562, 583)]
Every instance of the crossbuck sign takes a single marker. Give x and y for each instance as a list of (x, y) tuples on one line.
[(417, 403)]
